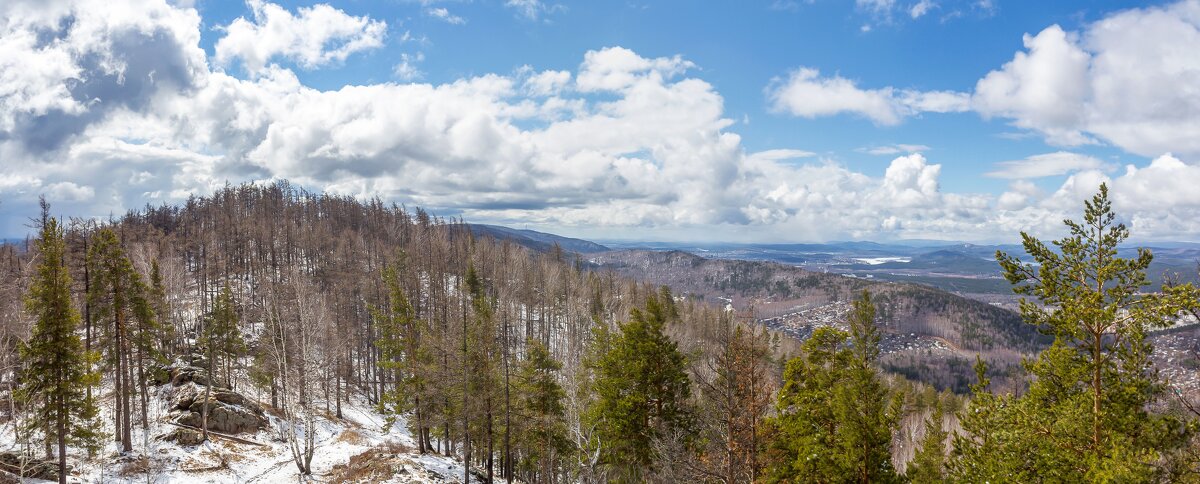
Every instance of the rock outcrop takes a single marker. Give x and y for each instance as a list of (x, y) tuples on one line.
[(229, 412), (29, 467)]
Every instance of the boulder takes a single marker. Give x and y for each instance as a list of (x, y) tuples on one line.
[(182, 436), (31, 467), (228, 412), (185, 374), (183, 397)]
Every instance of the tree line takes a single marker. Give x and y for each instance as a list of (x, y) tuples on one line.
[(528, 365)]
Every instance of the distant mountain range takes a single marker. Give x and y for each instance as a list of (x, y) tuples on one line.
[(539, 241), (963, 268)]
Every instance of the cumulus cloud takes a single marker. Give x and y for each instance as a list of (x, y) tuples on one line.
[(545, 83), (312, 37), (622, 141), (1128, 79), (1043, 89), (65, 66), (617, 68), (805, 93), (406, 69), (1049, 164)]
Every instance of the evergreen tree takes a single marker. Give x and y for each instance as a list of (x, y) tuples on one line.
[(929, 463), (834, 416), (540, 403), (867, 412), (1085, 416), (642, 390), (56, 369), (119, 305), (481, 365), (157, 299), (402, 354), (221, 341), (802, 435)]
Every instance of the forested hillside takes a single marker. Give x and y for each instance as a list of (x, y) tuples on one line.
[(305, 301), (776, 288), (267, 333)]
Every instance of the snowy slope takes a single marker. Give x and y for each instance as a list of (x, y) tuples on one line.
[(381, 456)]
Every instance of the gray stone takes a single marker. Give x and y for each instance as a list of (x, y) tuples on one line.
[(185, 374), (185, 437), (31, 467), (228, 413)]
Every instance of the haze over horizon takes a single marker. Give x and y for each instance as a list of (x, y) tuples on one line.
[(773, 121)]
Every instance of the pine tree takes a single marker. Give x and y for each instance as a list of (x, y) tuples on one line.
[(929, 463), (540, 403), (867, 412), (481, 370), (642, 390), (119, 307), (802, 436), (56, 370), (221, 341), (1084, 417), (403, 355), (834, 416), (157, 299)]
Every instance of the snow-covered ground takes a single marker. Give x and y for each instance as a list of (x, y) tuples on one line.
[(359, 433)]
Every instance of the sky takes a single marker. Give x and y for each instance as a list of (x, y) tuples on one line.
[(716, 121)]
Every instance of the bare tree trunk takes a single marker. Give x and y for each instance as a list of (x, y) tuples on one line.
[(62, 441)]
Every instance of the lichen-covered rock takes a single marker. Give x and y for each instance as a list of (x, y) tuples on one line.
[(183, 396), (182, 436), (30, 467), (181, 375), (228, 412)]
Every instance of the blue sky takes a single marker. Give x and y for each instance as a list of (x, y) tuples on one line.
[(722, 121)]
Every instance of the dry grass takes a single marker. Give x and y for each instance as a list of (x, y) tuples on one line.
[(137, 466), (373, 465), (352, 437)]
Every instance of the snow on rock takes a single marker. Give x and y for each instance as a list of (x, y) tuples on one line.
[(354, 448)]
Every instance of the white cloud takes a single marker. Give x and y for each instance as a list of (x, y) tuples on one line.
[(621, 142), (1049, 164), (545, 83), (1021, 194), (1044, 89), (441, 13), (69, 192), (406, 69), (532, 9), (617, 68), (1128, 79), (806, 93), (911, 182), (312, 37), (921, 8), (894, 149), (876, 6)]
